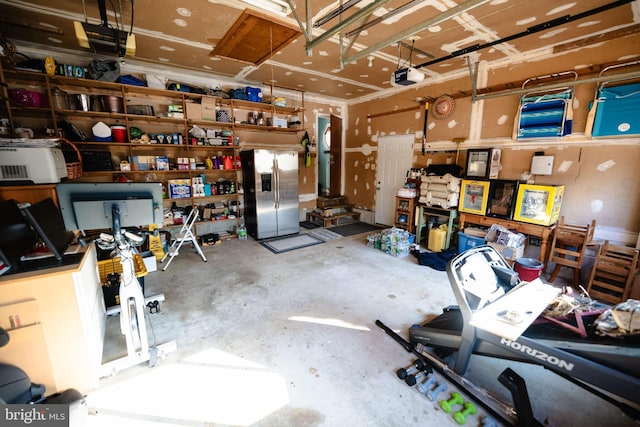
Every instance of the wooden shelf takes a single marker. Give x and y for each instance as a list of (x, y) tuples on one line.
[(159, 124), (405, 211)]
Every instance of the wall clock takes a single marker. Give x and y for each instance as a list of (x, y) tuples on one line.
[(443, 107)]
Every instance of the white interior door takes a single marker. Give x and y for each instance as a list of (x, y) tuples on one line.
[(395, 158)]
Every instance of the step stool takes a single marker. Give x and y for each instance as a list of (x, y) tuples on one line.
[(184, 235)]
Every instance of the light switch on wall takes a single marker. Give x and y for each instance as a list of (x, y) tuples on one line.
[(541, 165)]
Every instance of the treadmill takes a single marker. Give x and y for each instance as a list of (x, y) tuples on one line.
[(480, 277)]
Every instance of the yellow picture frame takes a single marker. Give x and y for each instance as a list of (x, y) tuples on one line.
[(538, 204), (474, 196)]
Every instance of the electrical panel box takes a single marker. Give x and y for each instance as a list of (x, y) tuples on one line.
[(541, 165)]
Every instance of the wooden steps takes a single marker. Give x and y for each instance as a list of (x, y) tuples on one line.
[(331, 210)]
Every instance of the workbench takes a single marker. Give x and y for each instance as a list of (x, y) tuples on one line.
[(541, 231)]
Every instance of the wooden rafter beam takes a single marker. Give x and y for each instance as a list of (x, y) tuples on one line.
[(388, 113)]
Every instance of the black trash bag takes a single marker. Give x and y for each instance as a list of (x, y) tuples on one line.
[(454, 170), (104, 70), (436, 260)]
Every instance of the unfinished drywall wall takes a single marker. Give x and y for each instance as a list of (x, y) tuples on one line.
[(308, 182), (600, 176)]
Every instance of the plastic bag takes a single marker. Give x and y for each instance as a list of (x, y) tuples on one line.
[(103, 70)]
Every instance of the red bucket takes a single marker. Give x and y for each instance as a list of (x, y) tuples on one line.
[(528, 269)]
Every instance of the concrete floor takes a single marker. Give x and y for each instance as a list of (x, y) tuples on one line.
[(290, 340)]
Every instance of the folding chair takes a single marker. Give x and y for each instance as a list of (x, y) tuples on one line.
[(184, 235), (568, 247)]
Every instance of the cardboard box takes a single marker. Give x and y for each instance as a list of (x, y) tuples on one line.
[(208, 108), (162, 163), (279, 123), (143, 163), (508, 252), (194, 111)]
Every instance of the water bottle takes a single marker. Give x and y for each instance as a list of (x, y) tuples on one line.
[(242, 230)]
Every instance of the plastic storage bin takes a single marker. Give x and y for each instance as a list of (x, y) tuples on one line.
[(466, 242), (254, 94)]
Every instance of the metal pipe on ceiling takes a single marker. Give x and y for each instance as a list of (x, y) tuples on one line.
[(336, 12), (454, 11), (294, 12), (388, 15), (531, 30), (347, 21)]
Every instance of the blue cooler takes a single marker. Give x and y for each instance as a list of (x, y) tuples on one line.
[(617, 111)]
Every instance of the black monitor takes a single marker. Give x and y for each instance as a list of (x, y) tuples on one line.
[(16, 236), (46, 219), (91, 206)]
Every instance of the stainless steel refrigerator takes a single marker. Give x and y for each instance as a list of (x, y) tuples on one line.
[(270, 179)]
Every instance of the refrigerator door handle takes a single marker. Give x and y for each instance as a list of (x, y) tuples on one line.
[(276, 177)]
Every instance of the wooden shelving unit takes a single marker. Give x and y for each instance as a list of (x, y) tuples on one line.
[(405, 212), (222, 137)]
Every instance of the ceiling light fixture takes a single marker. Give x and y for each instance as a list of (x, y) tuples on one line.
[(278, 7)]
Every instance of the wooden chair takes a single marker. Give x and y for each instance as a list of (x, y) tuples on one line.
[(568, 247), (613, 272)]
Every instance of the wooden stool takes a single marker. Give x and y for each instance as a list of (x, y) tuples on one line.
[(613, 271)]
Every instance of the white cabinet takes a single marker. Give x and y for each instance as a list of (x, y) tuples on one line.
[(60, 336)]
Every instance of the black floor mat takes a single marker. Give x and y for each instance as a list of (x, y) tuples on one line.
[(355, 228), (309, 225)]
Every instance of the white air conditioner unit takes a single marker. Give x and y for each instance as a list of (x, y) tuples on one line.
[(406, 77), (31, 165)]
